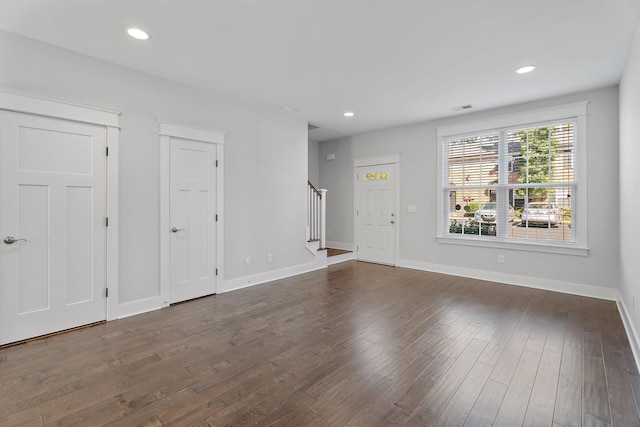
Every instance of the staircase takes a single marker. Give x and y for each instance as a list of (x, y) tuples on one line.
[(316, 218), (316, 230)]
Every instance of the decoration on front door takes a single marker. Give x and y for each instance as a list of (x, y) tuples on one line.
[(375, 176)]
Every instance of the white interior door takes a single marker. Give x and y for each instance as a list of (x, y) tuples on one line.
[(376, 213), (52, 195), (192, 175)]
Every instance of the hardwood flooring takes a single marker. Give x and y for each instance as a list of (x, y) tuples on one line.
[(355, 344), (335, 252)]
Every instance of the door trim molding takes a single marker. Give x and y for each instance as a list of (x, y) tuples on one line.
[(374, 161), (172, 130), (109, 119), (58, 109), (191, 133)]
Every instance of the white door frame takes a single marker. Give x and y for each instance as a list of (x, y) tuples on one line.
[(167, 131), (375, 161), (109, 119)]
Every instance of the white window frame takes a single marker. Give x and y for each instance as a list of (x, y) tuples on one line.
[(576, 112)]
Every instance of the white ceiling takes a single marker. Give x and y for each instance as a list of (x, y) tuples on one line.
[(392, 62)]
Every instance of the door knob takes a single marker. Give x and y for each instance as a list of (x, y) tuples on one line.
[(393, 222), (11, 240), (175, 230)]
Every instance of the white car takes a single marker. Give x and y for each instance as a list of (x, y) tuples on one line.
[(488, 211), (541, 213)]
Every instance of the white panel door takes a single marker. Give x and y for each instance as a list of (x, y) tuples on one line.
[(192, 176), (52, 195), (376, 214)]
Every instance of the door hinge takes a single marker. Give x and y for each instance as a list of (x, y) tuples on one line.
[(216, 217), (216, 163), (216, 271), (106, 292), (107, 151), (107, 222)]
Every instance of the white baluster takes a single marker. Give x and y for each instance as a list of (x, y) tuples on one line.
[(323, 218)]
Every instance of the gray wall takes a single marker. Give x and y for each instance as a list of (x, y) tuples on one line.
[(630, 182), (265, 159), (416, 145), (314, 163)]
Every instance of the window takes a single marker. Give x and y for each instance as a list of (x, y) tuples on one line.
[(515, 182)]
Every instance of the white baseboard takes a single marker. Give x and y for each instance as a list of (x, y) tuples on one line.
[(340, 258), (139, 307), (341, 245), (514, 279), (313, 247), (156, 303), (268, 276), (632, 333)]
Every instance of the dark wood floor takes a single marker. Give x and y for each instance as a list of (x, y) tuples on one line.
[(356, 344), (334, 252)]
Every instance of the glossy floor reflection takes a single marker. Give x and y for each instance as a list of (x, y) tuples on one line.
[(354, 344)]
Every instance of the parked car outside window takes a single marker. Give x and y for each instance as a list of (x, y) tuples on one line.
[(541, 213), (488, 212)]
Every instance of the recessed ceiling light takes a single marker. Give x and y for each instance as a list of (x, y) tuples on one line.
[(137, 33), (349, 114), (526, 69), (288, 109)]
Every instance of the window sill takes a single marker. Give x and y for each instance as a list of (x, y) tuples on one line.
[(565, 249)]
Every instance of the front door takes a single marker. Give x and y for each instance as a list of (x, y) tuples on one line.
[(52, 225), (192, 172), (376, 213)]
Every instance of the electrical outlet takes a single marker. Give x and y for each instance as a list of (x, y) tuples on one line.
[(500, 259), (247, 261), (269, 257)]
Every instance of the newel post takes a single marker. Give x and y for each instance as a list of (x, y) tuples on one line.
[(323, 218)]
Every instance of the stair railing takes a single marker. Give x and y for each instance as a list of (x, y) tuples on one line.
[(316, 214)]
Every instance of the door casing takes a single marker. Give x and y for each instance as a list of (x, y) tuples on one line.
[(377, 161), (109, 119), (171, 130)]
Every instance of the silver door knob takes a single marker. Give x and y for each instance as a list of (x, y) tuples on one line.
[(175, 230), (393, 222), (11, 240)]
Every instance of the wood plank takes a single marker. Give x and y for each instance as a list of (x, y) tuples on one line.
[(376, 409), (543, 396), (508, 361), (440, 394), (395, 416), (537, 337), (514, 405), (421, 417), (355, 343), (459, 407), (346, 409), (486, 407), (568, 406), (416, 393)]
